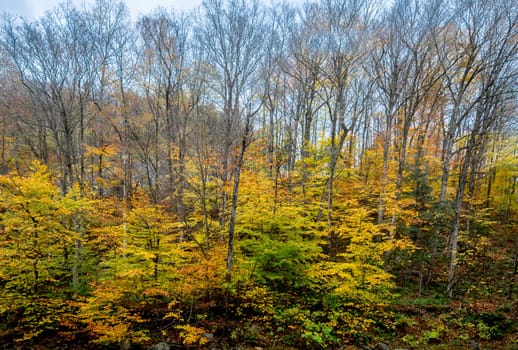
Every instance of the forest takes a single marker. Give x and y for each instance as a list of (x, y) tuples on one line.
[(339, 174)]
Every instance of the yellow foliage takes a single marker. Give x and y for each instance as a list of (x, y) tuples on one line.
[(108, 317), (155, 292), (192, 335), (104, 151)]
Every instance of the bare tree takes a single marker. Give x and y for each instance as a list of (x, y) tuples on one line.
[(389, 61), (232, 35), (477, 57), (345, 26), (164, 38), (307, 55), (41, 55)]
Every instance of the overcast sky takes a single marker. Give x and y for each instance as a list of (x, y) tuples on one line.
[(33, 9)]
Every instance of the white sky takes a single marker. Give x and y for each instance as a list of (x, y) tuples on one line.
[(33, 9)]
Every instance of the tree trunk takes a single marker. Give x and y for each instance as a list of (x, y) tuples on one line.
[(454, 235), (233, 212)]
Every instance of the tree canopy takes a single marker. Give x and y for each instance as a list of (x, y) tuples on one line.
[(341, 172)]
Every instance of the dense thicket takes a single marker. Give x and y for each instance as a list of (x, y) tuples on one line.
[(264, 175)]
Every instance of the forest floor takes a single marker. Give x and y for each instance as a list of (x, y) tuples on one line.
[(413, 325)]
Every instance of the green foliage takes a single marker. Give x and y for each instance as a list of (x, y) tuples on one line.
[(282, 266), (319, 334), (491, 326)]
